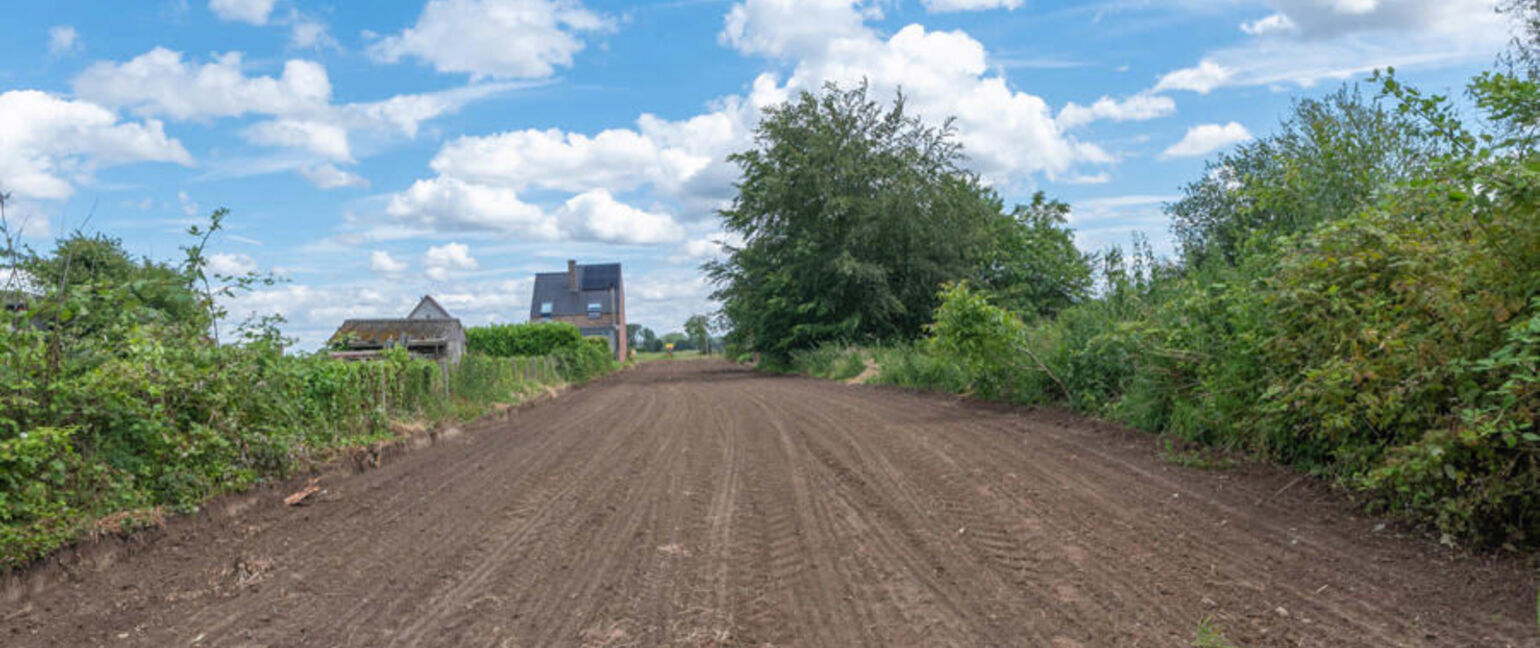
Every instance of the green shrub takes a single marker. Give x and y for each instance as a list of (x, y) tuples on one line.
[(830, 361), (986, 339), (116, 395), (583, 362)]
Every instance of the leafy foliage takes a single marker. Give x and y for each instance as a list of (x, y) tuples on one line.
[(852, 215), (1328, 159), (984, 338), (585, 361), (531, 339), (1359, 297), (1031, 265), (116, 397)]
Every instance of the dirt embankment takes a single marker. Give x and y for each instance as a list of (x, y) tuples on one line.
[(697, 503)]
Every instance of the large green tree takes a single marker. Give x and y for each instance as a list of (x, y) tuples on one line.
[(853, 214)]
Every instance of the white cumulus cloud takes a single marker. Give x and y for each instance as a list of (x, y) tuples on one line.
[(791, 28), (49, 144), (453, 205), (159, 82), (1010, 135), (308, 32), (327, 176), (231, 264), (247, 11), (298, 103), (1140, 107), (326, 140), (502, 39), (382, 263), (440, 260), (1274, 23), (1207, 138), (596, 216), (1202, 78)]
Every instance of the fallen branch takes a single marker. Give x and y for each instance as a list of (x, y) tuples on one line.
[(299, 498)]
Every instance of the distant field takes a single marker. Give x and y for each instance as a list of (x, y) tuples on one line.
[(642, 356)]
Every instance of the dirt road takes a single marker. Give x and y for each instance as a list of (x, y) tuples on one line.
[(695, 503)]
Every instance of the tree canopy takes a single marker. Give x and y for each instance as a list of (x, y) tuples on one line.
[(698, 327), (1327, 160), (853, 214)]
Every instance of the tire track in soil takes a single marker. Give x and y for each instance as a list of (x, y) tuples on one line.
[(696, 503)]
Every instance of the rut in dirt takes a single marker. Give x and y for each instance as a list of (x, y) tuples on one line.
[(698, 503)]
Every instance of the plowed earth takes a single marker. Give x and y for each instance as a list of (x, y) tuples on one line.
[(695, 503)]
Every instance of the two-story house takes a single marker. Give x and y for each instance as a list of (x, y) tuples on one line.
[(591, 297)]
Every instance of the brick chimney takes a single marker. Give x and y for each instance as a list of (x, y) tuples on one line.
[(572, 282)]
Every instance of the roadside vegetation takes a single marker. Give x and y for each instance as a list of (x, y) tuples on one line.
[(121, 399), (1356, 295), (577, 359)]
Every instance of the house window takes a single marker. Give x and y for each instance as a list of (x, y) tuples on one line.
[(593, 310), (545, 309)]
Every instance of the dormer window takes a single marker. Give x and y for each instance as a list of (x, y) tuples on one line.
[(593, 310), (545, 309)]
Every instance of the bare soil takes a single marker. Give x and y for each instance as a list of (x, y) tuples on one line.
[(696, 503)]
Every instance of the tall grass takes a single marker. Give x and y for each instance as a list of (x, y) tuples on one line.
[(831, 361)]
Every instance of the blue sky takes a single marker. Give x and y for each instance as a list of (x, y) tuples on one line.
[(374, 152)]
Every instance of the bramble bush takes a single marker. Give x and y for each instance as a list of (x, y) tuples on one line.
[(116, 396)]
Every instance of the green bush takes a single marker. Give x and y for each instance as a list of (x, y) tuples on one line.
[(1391, 354), (116, 395), (982, 337), (583, 362), (531, 339)]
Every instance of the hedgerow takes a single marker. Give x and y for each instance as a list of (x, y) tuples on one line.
[(118, 400), (530, 339), (578, 359)]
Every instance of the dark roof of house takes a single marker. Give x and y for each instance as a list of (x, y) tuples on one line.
[(375, 332), (599, 276), (594, 283)]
